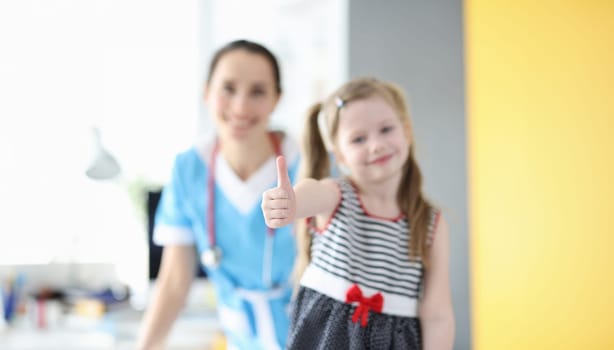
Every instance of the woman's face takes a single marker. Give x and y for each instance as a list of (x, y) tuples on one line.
[(241, 95)]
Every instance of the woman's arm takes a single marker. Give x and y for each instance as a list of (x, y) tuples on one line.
[(436, 314), (177, 271), (284, 204)]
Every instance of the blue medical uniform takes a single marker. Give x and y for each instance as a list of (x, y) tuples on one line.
[(253, 288)]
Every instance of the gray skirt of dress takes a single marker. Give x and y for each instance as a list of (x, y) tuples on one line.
[(320, 322)]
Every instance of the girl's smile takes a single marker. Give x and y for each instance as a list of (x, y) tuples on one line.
[(382, 160)]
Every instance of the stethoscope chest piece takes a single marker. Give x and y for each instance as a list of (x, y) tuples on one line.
[(211, 257)]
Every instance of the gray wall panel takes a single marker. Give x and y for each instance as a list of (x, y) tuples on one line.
[(419, 45)]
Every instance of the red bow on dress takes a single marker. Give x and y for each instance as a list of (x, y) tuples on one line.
[(375, 303)]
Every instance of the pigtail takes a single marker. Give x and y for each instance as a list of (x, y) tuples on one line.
[(410, 198), (315, 164), (417, 208)]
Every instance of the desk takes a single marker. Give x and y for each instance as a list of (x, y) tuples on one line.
[(117, 330), (195, 329)]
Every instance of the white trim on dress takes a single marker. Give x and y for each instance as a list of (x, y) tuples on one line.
[(336, 288)]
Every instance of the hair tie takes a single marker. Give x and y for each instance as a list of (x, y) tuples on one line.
[(339, 102)]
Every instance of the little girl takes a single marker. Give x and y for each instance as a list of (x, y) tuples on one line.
[(373, 252)]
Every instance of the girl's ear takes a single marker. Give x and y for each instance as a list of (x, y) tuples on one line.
[(338, 157), (340, 163)]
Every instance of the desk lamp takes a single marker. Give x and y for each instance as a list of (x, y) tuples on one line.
[(104, 166)]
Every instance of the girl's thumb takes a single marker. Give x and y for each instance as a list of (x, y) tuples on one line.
[(283, 180)]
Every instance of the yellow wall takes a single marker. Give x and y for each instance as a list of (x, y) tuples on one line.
[(540, 97)]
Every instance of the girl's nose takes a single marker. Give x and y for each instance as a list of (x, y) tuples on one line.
[(376, 146)]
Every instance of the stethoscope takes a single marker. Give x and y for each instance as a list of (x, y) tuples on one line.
[(212, 256)]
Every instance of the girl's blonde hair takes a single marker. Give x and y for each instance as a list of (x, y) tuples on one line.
[(316, 162)]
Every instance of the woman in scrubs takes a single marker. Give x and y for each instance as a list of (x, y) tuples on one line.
[(210, 210)]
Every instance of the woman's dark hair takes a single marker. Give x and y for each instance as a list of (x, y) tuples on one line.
[(250, 47)]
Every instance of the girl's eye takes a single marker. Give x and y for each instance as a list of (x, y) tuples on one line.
[(359, 139), (387, 129)]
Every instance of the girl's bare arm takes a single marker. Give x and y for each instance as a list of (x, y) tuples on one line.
[(436, 314)]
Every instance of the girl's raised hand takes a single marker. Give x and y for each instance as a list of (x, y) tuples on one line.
[(279, 203)]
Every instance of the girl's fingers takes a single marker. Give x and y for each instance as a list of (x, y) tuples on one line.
[(276, 193), (276, 207), (277, 204), (276, 223), (282, 214)]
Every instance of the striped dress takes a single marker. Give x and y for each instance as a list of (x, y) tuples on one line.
[(360, 290)]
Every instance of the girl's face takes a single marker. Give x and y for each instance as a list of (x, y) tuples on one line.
[(241, 95), (371, 140)]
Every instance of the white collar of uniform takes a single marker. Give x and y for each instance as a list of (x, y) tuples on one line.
[(244, 195)]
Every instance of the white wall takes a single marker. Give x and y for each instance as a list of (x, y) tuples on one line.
[(129, 67)]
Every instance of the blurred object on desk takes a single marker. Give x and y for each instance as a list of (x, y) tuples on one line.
[(11, 288)]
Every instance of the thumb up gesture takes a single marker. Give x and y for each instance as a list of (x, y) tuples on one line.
[(279, 203)]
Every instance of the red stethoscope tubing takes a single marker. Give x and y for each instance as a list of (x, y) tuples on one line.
[(211, 191)]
